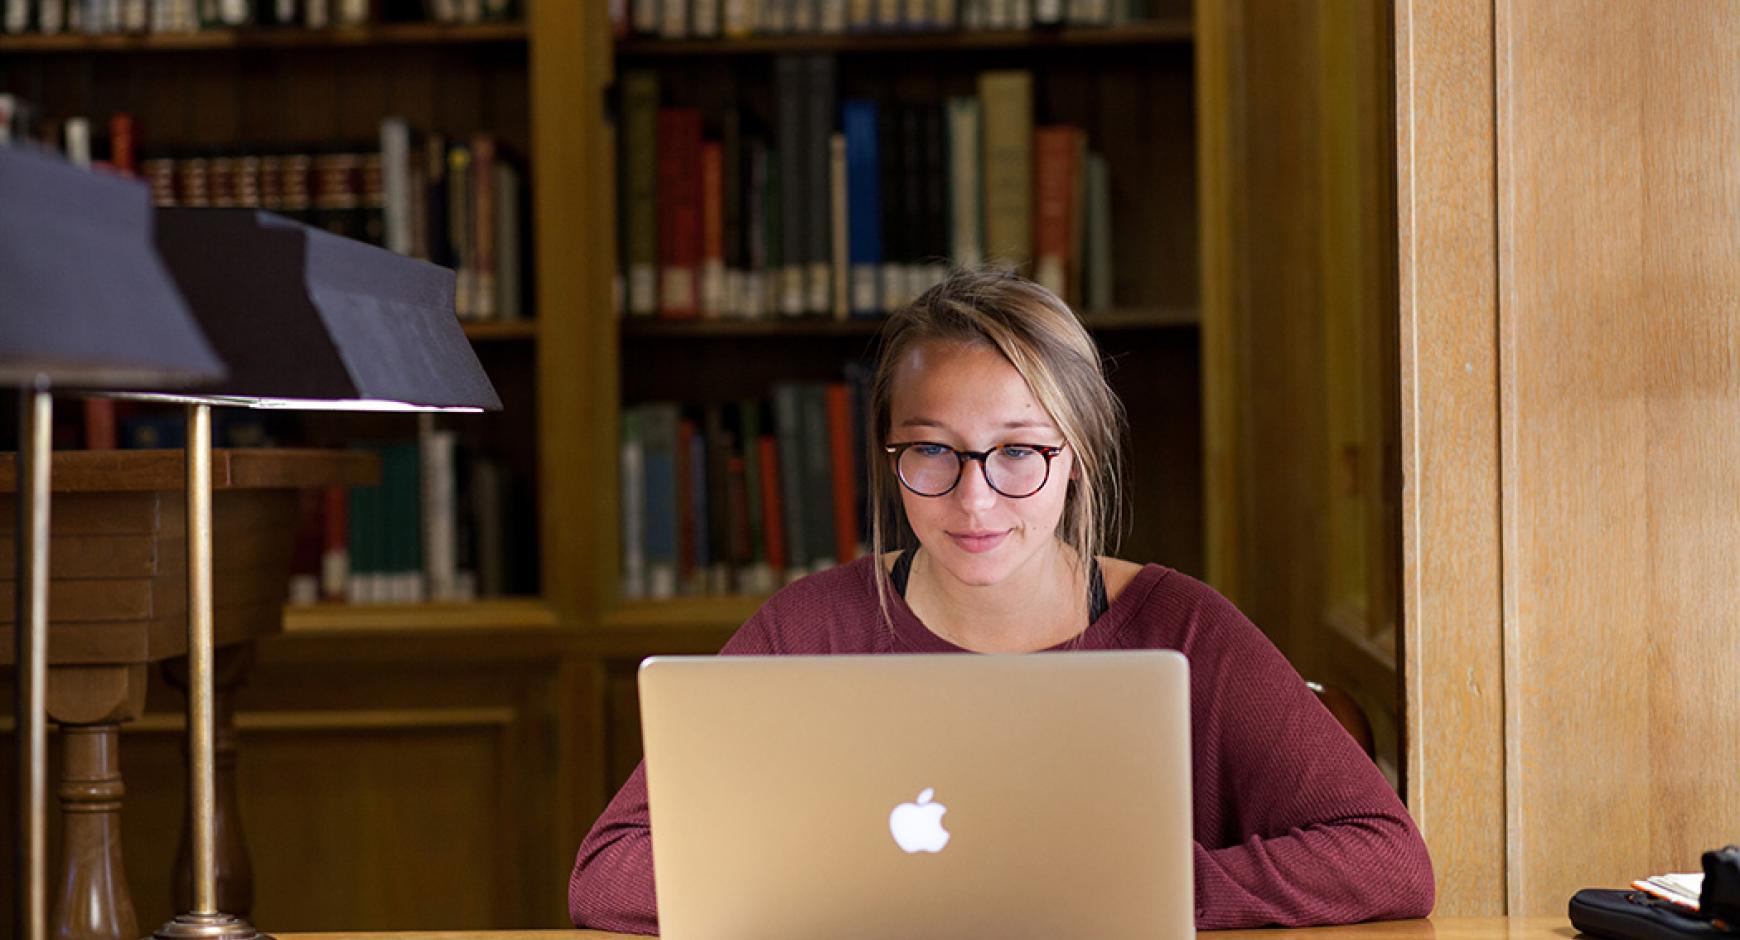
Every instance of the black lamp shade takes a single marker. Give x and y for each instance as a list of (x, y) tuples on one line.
[(306, 318), (84, 300)]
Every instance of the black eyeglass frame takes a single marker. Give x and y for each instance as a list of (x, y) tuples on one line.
[(1048, 451)]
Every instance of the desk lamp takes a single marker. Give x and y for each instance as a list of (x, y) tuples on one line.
[(304, 319), (84, 302)]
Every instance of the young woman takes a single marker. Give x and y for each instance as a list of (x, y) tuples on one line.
[(996, 438)]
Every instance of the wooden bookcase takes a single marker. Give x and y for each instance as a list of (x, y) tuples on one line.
[(527, 705)]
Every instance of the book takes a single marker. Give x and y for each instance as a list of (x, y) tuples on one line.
[(839, 268), (640, 201), (793, 503), (790, 93), (863, 206), (659, 438), (843, 484), (510, 260), (631, 470), (679, 202), (1055, 171), (1097, 226), (817, 130), (1006, 100), (713, 280), (483, 257), (965, 218)]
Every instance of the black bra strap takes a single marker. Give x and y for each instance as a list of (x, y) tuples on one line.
[(1097, 604)]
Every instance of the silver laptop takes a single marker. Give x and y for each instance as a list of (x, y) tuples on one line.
[(957, 796)]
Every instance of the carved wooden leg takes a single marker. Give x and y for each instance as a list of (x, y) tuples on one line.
[(94, 903), (89, 703), (235, 869)]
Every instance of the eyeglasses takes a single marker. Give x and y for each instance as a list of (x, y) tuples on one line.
[(1013, 470)]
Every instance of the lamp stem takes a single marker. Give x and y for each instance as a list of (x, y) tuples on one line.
[(201, 763), (204, 922), (35, 447)]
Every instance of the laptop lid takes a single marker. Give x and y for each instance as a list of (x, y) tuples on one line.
[(1009, 796)]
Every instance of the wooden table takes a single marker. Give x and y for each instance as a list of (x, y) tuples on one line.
[(117, 606), (1448, 928)]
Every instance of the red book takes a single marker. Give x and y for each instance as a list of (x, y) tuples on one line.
[(1054, 171), (101, 431), (840, 464), (680, 236), (772, 520), (335, 553), (122, 145), (712, 228)]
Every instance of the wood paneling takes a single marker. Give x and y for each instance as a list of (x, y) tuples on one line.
[(1620, 386), (1451, 591), (1298, 293)]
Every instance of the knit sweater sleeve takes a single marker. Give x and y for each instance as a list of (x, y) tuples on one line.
[(611, 887), (1295, 825)]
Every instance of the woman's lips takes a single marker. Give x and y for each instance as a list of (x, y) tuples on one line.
[(978, 542)]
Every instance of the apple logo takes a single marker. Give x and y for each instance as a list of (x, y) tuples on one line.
[(917, 827)]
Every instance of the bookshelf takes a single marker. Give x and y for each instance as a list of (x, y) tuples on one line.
[(385, 34), (1173, 31)]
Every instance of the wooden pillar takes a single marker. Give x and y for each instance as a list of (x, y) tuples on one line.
[(89, 703)]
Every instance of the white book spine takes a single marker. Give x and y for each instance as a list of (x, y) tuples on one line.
[(888, 13), (396, 183), (316, 14), (440, 554), (674, 19), (965, 240), (706, 22), (791, 290), (739, 20), (135, 15), (643, 290), (713, 288), (17, 17), (353, 12), (819, 286), (646, 15), (77, 131), (833, 16), (678, 288), (1023, 14), (864, 292)]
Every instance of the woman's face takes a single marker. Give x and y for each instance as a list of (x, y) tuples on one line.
[(971, 398)]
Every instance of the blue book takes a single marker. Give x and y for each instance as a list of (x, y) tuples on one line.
[(659, 441), (863, 205)]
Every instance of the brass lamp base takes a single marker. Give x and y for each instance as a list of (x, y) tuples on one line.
[(208, 927)]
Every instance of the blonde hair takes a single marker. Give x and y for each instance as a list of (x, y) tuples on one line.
[(1046, 343)]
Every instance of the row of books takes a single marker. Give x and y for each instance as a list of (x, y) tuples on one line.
[(741, 497), (851, 209), (103, 17), (440, 526), (458, 203), (736, 19)]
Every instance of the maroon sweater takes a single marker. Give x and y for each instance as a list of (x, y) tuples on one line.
[(1294, 826)]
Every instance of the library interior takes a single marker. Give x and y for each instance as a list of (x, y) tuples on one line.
[(552, 333)]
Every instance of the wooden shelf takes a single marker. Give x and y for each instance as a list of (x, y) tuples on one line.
[(1136, 318), (683, 613), (389, 34), (495, 332), (494, 614), (1157, 33)]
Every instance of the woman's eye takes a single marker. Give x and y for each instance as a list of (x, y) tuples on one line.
[(931, 450), (1016, 451)]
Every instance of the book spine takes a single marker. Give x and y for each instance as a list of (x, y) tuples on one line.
[(483, 158), (123, 144), (1006, 98), (754, 469), (1098, 223), (818, 487), (839, 268), (818, 128), (863, 206), (773, 516), (1054, 151), (733, 181), (659, 428), (440, 555), (680, 235), (395, 170), (965, 219), (641, 201), (789, 422), (716, 446), (712, 229), (509, 260), (632, 470), (335, 544), (706, 19), (936, 197), (843, 486), (891, 159), (790, 90), (673, 19)]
